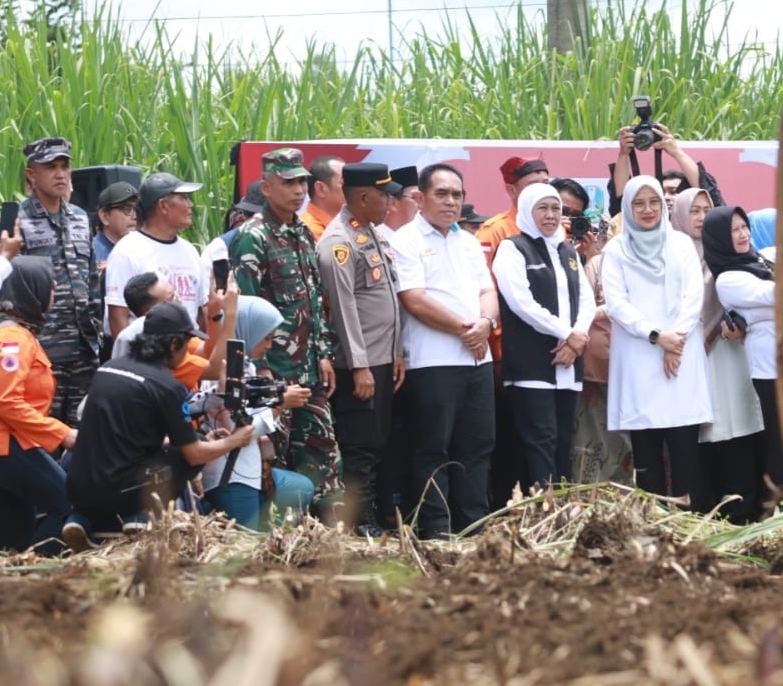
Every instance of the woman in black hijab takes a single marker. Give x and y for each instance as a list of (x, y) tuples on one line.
[(745, 282), (31, 482)]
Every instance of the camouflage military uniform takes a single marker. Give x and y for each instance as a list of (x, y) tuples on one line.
[(70, 336), (278, 263)]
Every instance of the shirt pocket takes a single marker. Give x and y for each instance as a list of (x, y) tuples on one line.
[(375, 274)]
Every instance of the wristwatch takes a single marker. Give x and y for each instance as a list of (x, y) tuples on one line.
[(653, 337), (493, 323)]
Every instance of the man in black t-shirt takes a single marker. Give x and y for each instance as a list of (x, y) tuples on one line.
[(134, 404)]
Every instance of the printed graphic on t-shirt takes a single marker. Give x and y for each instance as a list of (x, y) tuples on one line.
[(184, 282)]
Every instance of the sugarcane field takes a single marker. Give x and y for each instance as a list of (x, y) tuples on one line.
[(307, 442)]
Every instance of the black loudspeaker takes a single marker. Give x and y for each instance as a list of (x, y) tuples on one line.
[(88, 182)]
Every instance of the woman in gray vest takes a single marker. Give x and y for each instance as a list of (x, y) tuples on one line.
[(546, 307)]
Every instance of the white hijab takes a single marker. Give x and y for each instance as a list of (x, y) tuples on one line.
[(527, 200), (650, 251)]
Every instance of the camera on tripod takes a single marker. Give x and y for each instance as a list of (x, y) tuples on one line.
[(644, 135), (243, 392)]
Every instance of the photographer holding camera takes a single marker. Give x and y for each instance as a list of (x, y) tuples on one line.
[(137, 437), (241, 485), (651, 134)]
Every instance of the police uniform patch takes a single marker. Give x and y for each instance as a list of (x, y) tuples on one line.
[(572, 264), (376, 274), (9, 363), (341, 254), (375, 258), (361, 239)]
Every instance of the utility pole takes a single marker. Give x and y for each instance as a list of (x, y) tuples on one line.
[(566, 19)]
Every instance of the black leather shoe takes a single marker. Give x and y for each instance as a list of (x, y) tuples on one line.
[(371, 530)]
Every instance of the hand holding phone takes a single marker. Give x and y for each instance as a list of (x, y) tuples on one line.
[(8, 215), (220, 270)]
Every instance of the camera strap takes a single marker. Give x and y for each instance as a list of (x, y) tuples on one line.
[(231, 460), (658, 164)]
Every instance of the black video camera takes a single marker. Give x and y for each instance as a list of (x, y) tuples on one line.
[(643, 133), (243, 392)]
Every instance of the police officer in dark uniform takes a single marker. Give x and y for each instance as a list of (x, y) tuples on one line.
[(357, 269), (51, 227)]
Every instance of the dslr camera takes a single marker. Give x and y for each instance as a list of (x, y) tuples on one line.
[(580, 225), (643, 133)]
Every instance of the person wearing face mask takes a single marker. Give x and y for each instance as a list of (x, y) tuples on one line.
[(658, 384), (733, 433), (745, 283), (546, 306)]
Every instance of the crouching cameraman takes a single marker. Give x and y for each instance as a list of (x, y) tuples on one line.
[(135, 405)]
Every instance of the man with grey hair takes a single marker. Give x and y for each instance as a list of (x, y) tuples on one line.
[(164, 210)]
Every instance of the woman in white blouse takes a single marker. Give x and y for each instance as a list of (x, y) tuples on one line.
[(658, 388), (745, 281), (546, 306)]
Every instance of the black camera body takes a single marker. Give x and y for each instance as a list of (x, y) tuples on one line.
[(580, 225), (643, 133)]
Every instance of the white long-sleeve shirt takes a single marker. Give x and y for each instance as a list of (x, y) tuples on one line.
[(510, 270)]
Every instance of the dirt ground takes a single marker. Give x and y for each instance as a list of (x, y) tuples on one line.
[(629, 603)]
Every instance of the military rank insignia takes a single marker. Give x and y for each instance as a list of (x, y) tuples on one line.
[(341, 254)]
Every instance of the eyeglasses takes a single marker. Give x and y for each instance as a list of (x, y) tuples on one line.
[(127, 210), (654, 204), (742, 228)]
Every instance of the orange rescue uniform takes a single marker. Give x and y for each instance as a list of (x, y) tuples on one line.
[(189, 371), (27, 387), (316, 219)]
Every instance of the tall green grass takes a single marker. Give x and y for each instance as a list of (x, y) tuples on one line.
[(144, 103)]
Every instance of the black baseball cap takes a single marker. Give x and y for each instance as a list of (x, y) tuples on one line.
[(157, 186), (254, 199), (170, 318), (116, 193), (468, 214)]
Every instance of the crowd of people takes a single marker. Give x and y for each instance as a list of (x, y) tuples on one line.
[(387, 352)]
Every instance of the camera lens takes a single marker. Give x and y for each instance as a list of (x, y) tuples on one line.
[(580, 226), (643, 139)]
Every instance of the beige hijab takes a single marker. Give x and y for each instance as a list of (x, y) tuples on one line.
[(712, 310)]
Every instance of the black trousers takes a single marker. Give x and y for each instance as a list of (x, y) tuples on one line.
[(395, 469), (732, 467), (362, 430), (508, 464), (544, 418), (164, 474), (454, 411), (773, 449), (683, 445)]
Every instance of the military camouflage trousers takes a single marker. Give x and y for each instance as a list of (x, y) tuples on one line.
[(308, 441), (73, 382)]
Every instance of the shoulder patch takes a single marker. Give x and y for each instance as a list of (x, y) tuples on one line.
[(9, 363), (341, 253)]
